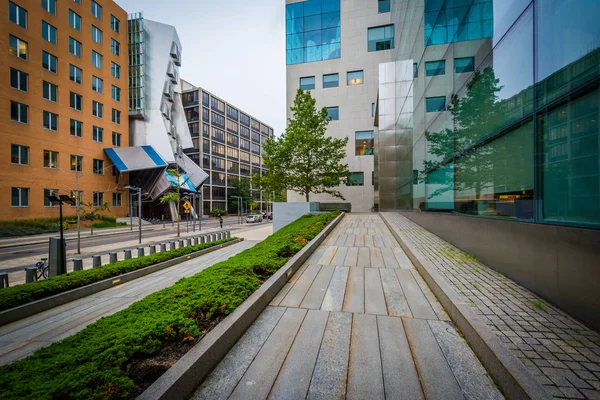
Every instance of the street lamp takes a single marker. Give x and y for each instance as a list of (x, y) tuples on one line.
[(139, 192), (61, 266), (238, 203)]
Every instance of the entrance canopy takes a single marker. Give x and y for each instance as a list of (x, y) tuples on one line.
[(127, 159)]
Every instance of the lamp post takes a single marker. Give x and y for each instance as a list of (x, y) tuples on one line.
[(238, 204), (139, 192), (61, 266)]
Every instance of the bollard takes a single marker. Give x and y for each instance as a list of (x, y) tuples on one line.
[(203, 239), (196, 240), (77, 264), (140, 252), (96, 261), (30, 274), (153, 249), (128, 254), (188, 242), (172, 243), (180, 243), (228, 234), (163, 247), (113, 257), (3, 280), (220, 236)]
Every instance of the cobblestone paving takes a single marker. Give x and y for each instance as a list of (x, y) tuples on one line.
[(560, 351)]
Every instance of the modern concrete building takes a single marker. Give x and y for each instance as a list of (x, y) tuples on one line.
[(488, 136), (333, 49), (227, 143), (63, 101)]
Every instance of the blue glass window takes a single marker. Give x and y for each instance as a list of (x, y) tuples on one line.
[(435, 104), (364, 143), (307, 83), (331, 80), (465, 64), (415, 70), (433, 68), (355, 78), (381, 38), (457, 21), (384, 6), (334, 113), (312, 7)]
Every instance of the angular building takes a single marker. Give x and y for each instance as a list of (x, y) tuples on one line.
[(64, 100), (227, 144), (333, 49), (488, 136)]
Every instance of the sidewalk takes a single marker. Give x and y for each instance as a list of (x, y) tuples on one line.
[(355, 321), (562, 353)]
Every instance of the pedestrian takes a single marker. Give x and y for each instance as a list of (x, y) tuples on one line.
[(221, 222)]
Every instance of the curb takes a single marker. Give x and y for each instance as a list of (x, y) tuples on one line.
[(35, 307), (514, 379), (185, 375)]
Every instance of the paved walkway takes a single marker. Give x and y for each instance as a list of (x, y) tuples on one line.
[(356, 321), (21, 338), (561, 352)]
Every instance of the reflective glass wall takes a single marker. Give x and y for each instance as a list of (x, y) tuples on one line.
[(515, 136)]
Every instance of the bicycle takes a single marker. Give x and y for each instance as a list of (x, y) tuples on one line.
[(42, 268)]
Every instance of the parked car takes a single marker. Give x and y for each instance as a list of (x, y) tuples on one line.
[(253, 218)]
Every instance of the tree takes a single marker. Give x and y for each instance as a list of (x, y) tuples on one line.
[(92, 213), (253, 204), (174, 197), (241, 188), (303, 159)]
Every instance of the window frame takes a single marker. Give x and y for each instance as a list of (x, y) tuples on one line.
[(51, 57), (471, 65), (75, 47), (429, 99), (97, 109), (52, 89), (113, 24), (97, 84), (114, 67), (306, 86), (440, 69), (97, 35), (96, 9), (354, 82), (98, 57), (50, 154), (74, 20), (337, 109), (115, 93), (51, 117), (77, 127), (115, 47), (49, 6), (117, 136), (373, 44), (97, 134), (48, 193), (20, 106), (17, 14), (327, 85), (78, 72), (73, 97), (20, 157), (116, 116), (48, 29), (78, 162), (17, 51), (98, 166), (19, 76), (20, 189), (117, 196)]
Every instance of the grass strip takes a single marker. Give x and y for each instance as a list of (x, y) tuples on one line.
[(96, 363), (22, 294)]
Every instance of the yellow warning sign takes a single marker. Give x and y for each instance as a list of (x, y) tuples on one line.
[(186, 211), (187, 206)]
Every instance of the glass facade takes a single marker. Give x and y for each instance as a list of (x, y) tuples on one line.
[(511, 130), (312, 31)]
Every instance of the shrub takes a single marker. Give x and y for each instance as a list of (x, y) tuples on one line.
[(25, 227), (108, 218), (217, 211), (108, 224), (96, 362)]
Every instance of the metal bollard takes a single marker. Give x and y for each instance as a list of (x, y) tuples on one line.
[(228, 234), (196, 240), (128, 254), (96, 261), (30, 274), (153, 249), (77, 264), (163, 247), (3, 280), (181, 243), (203, 239), (112, 257), (140, 252), (189, 242), (172, 243)]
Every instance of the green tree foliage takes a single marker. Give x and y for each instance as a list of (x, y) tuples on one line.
[(304, 159), (91, 213), (241, 188), (175, 196)]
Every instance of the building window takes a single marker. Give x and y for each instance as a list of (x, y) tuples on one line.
[(98, 166), (50, 159), (75, 20), (75, 101), (307, 83), (244, 120), (75, 74), (77, 196), (97, 109), (19, 154), (334, 113), (96, 35), (19, 80), (19, 112), (364, 143), (450, 22), (17, 14), (116, 199), (75, 47), (116, 116), (435, 104), (464, 64), (433, 68), (116, 93), (356, 179), (98, 199), (76, 128), (96, 84), (116, 139), (96, 59), (77, 1), (50, 6), (217, 105), (48, 193), (232, 113), (17, 47), (20, 197), (415, 70), (380, 38), (115, 24), (50, 121), (372, 109), (49, 91), (48, 32), (331, 80), (218, 120), (383, 6), (115, 70), (115, 47), (96, 10), (355, 78), (97, 133), (76, 163), (205, 99), (49, 62)]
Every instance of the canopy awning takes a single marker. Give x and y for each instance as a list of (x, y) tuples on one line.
[(136, 158), (196, 175)]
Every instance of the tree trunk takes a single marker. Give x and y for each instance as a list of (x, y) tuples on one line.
[(308, 197), (178, 219)]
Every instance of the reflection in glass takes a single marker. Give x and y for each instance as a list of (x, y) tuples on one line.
[(364, 143)]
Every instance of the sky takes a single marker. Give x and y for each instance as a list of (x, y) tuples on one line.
[(232, 48)]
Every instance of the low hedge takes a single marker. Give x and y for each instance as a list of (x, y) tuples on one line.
[(21, 294), (96, 362), (26, 227)]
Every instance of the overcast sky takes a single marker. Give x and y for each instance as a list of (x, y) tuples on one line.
[(233, 48)]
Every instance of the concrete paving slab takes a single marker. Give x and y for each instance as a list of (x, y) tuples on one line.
[(334, 296), (340, 256), (364, 257), (397, 305), (298, 291), (354, 300), (376, 257), (316, 293), (417, 301), (365, 376), (374, 298), (351, 257)]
